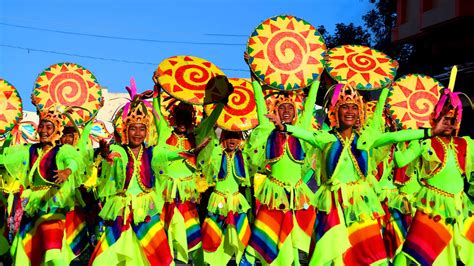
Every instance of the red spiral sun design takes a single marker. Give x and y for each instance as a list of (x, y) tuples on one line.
[(412, 100), (361, 67), (240, 113), (192, 79), (68, 84), (286, 53)]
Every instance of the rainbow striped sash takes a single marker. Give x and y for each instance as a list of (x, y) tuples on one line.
[(152, 237), (394, 230), (367, 246), (111, 234), (191, 220), (324, 222), (272, 227), (39, 234), (76, 231), (215, 226), (427, 238), (468, 228)]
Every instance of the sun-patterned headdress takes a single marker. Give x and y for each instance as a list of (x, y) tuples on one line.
[(55, 115), (135, 111), (282, 98), (343, 94)]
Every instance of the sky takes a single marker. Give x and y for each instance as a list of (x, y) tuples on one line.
[(118, 39)]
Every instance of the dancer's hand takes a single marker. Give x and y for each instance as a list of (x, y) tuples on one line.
[(275, 119), (62, 175), (104, 148), (445, 126), (202, 145)]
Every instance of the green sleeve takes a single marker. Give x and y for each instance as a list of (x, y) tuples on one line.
[(16, 160), (208, 123), (246, 181), (394, 137), (469, 165), (374, 126), (318, 138), (84, 141), (305, 120), (70, 158), (71, 164), (167, 153), (162, 127), (174, 155), (406, 156), (209, 158), (260, 102), (113, 173), (85, 148)]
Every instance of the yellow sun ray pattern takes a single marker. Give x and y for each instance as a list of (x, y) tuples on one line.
[(361, 67), (412, 99), (240, 112), (10, 106), (192, 79), (68, 84), (286, 53)]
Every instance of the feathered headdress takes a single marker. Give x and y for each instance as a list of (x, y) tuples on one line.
[(55, 115), (449, 103), (135, 111)]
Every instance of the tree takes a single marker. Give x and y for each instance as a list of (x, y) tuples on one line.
[(381, 20), (345, 34)]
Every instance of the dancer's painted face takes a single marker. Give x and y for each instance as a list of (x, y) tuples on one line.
[(286, 111), (448, 125), (230, 144), (136, 134), (45, 131), (183, 122), (348, 114)]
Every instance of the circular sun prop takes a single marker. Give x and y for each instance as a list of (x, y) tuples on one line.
[(68, 84), (240, 112), (286, 53), (361, 67), (11, 106), (412, 99), (192, 80)]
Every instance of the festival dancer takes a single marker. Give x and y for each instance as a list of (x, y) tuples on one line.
[(178, 177), (84, 219), (396, 205), (49, 172), (285, 218), (134, 233), (226, 230), (347, 205), (11, 210), (442, 229)]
